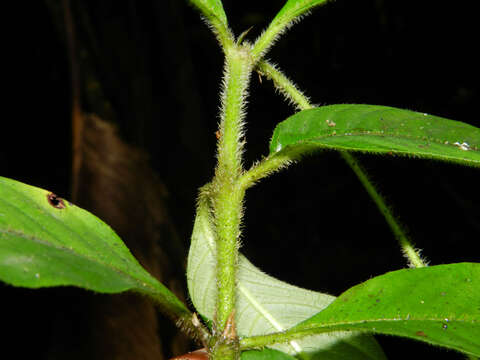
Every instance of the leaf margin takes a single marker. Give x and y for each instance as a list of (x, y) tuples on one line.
[(332, 133), (36, 202)]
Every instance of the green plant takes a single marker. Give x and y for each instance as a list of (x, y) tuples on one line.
[(46, 241)]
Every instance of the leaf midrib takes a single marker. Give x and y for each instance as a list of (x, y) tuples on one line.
[(357, 322), (423, 153), (378, 133)]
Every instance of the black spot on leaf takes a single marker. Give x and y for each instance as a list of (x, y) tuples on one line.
[(55, 201)]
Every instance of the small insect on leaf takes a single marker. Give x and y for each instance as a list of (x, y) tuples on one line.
[(200, 354), (56, 201)]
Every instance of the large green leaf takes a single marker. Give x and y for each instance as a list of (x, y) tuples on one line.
[(287, 16), (438, 304), (265, 304), (377, 129), (47, 241)]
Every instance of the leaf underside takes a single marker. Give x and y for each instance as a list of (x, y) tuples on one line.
[(265, 354), (439, 305), (380, 130), (47, 241), (265, 304)]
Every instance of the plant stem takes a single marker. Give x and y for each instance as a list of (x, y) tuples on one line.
[(285, 18), (217, 21), (229, 196), (284, 85), (273, 163), (408, 249)]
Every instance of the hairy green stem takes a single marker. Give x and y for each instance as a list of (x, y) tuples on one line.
[(262, 169), (228, 198), (408, 249), (275, 162), (217, 21), (235, 84), (284, 85), (267, 39), (285, 18)]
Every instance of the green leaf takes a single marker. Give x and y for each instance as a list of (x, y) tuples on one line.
[(286, 17), (47, 241), (360, 346), (439, 305), (265, 354), (265, 304), (215, 15), (377, 129)]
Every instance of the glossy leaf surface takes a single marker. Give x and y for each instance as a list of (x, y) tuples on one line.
[(265, 304), (380, 130), (438, 304), (47, 241)]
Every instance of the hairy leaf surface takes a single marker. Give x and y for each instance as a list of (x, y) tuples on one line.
[(47, 241), (380, 130), (265, 304)]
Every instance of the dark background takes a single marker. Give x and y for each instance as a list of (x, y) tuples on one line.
[(160, 67)]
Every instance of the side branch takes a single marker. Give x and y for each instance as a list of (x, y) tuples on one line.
[(276, 162)]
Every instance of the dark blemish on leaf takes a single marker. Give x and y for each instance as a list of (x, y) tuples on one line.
[(421, 333), (55, 201), (377, 301)]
